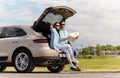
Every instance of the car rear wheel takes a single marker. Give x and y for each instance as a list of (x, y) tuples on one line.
[(23, 61), (55, 69), (2, 68)]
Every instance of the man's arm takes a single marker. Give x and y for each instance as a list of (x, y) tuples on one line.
[(64, 39)]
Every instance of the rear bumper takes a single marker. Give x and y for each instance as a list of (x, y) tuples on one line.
[(42, 61)]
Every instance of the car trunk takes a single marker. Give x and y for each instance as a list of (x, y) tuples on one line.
[(51, 15), (59, 13)]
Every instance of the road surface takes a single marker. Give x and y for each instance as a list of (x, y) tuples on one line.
[(8, 74)]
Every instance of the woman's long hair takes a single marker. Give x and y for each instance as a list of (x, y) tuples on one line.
[(55, 25)]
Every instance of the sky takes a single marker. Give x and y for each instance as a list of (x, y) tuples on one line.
[(97, 21)]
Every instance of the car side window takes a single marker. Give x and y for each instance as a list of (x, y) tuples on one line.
[(7, 32), (20, 32), (12, 32), (1, 32)]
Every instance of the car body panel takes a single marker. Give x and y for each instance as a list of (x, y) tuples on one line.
[(9, 45)]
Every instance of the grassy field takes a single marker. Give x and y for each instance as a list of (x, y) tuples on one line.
[(96, 63), (99, 63)]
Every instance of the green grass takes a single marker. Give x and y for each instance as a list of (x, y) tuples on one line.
[(99, 63)]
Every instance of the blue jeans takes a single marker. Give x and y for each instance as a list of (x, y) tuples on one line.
[(75, 55)]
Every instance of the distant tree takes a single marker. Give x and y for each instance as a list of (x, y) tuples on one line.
[(117, 47), (109, 47), (90, 48), (99, 50), (85, 52), (103, 47)]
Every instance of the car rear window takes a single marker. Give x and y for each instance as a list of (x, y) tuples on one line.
[(54, 17)]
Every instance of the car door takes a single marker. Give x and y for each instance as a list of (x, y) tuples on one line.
[(8, 41)]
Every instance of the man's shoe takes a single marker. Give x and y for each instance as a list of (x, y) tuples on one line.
[(74, 69), (78, 69)]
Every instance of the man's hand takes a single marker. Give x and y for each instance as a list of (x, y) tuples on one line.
[(77, 37), (69, 37)]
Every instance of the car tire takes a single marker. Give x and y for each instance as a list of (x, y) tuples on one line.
[(23, 61), (2, 68), (55, 69)]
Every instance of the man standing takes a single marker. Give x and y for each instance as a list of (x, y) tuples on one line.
[(64, 39)]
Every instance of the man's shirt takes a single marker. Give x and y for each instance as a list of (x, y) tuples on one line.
[(63, 34)]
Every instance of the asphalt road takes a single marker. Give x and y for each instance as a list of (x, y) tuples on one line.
[(8, 74)]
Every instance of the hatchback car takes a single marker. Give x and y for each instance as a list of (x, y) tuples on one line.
[(25, 47)]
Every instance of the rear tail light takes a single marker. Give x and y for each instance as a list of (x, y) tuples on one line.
[(40, 41)]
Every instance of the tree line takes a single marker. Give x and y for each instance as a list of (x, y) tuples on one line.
[(98, 49)]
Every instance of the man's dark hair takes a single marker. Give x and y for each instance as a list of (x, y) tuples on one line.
[(62, 21)]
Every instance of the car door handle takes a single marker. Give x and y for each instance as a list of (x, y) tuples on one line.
[(15, 42)]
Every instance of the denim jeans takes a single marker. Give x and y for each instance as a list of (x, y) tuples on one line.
[(75, 55)]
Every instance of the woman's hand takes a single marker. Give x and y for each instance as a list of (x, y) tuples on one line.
[(51, 26)]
